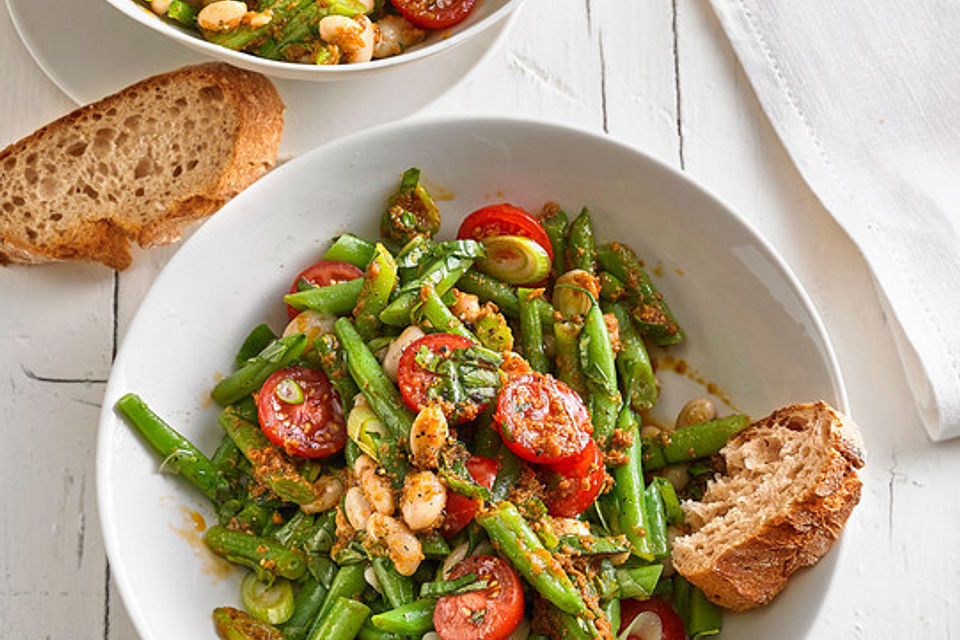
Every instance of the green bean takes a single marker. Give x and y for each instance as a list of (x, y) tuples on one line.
[(413, 618), (302, 26), (703, 617), (411, 211), (268, 464), (226, 459), (463, 584), (581, 249), (531, 330), (514, 538), (336, 298), (656, 522), (633, 363), (612, 611), (650, 310), (690, 443), (333, 365), (493, 332), (182, 13), (178, 452), (370, 632), (628, 484), (348, 583), (397, 589), (607, 508), (342, 622), (489, 289), (611, 288), (434, 546), (246, 36), (442, 273), (573, 627), (486, 436), (509, 469), (568, 356), (258, 340), (439, 316), (256, 552), (555, 223), (378, 283), (251, 376), (307, 604), (296, 530), (599, 368), (638, 582), (382, 397), (593, 546), (350, 248), (234, 624), (670, 501)]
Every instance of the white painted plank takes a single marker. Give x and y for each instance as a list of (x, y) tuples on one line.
[(52, 564)]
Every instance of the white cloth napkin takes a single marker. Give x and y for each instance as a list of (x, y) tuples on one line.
[(865, 95)]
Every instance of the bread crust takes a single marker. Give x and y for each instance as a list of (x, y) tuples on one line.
[(259, 112), (754, 570)]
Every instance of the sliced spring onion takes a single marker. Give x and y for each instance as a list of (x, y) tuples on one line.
[(268, 603), (569, 297), (289, 391), (365, 428), (515, 259)]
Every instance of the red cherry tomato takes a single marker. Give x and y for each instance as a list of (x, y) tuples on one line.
[(324, 273), (573, 485), (542, 419), (300, 412), (461, 509), (671, 626), (490, 614), (434, 14), (415, 381), (504, 220)]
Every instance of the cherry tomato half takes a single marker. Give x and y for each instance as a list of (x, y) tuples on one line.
[(670, 624), (490, 614), (324, 273), (300, 412), (542, 419), (461, 509), (416, 382), (434, 14), (573, 485), (504, 220)]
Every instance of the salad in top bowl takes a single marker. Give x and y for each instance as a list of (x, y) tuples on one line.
[(453, 439)]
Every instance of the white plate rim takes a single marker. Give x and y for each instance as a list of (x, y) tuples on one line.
[(108, 417)]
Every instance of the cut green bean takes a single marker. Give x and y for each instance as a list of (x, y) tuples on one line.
[(348, 583), (396, 589), (246, 35), (509, 469), (414, 618), (628, 485), (638, 582), (555, 223), (568, 356), (307, 605), (434, 546), (234, 624), (256, 552), (258, 340), (656, 522), (633, 362), (581, 249), (651, 312), (442, 274), (514, 538), (336, 298), (670, 501), (342, 622), (599, 369), (251, 376), (690, 443), (531, 330), (350, 248), (268, 464), (178, 453), (378, 283), (438, 315), (611, 288)]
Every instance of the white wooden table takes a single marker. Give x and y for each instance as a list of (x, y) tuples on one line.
[(656, 73)]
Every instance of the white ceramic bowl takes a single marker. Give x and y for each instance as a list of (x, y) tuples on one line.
[(485, 14), (750, 326)]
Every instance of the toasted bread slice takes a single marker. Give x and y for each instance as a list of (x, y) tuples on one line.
[(137, 166), (790, 485)]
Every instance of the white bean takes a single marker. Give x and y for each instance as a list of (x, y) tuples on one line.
[(160, 7), (696, 411), (391, 361), (223, 15), (402, 546), (313, 323), (329, 489), (428, 435), (376, 488), (357, 509), (354, 37), (423, 502), (397, 34)]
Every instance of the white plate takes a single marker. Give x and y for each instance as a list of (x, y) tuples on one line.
[(89, 50), (750, 326), (485, 14)]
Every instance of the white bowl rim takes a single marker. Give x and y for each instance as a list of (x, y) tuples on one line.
[(146, 17), (108, 416)]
